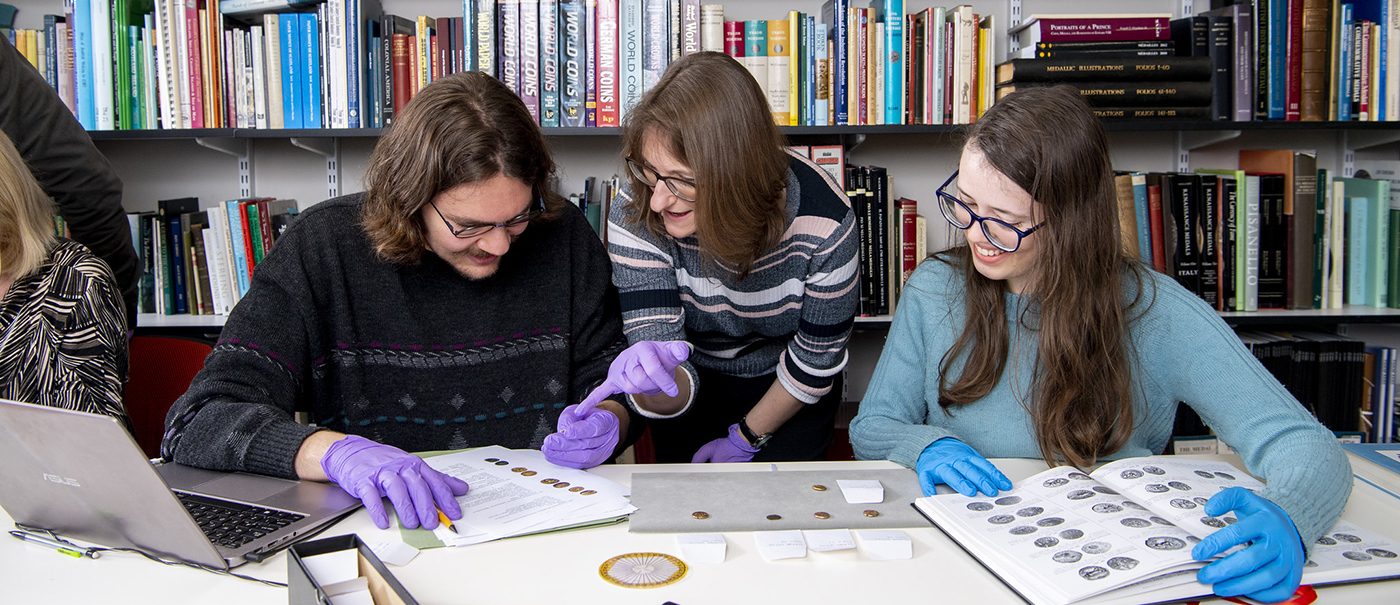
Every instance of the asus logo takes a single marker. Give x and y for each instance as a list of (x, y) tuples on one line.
[(61, 480)]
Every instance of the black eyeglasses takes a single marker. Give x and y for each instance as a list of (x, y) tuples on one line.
[(1000, 233), (682, 188), (471, 231)]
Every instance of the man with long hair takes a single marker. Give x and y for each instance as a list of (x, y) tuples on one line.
[(457, 302)]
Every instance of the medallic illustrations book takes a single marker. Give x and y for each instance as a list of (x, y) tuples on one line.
[(1123, 534)]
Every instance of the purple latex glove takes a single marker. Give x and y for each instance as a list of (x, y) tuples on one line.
[(645, 368), (369, 471), (726, 449), (587, 437)]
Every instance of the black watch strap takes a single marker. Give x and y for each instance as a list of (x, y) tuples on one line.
[(754, 439)]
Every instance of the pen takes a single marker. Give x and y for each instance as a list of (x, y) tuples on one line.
[(64, 549), (446, 522)]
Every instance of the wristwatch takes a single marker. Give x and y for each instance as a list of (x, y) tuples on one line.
[(754, 439)]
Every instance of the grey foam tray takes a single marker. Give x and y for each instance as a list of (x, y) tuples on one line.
[(742, 501)]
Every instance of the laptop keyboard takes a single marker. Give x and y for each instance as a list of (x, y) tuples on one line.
[(232, 524)]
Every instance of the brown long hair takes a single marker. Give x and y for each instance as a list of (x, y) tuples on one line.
[(1048, 142), (711, 114), (465, 128), (26, 213)]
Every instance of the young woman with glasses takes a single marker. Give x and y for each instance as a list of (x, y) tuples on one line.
[(1040, 339), (735, 261)]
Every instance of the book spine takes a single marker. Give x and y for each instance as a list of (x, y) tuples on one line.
[(590, 63), (1344, 62), (607, 63), (776, 41), (508, 22), (571, 49), (1378, 286), (630, 51), (355, 57), (690, 27), (102, 64), (834, 16), (822, 76), (1094, 29), (1145, 69), (82, 63), (177, 265), (530, 57), (549, 63), (894, 61), (756, 52), (272, 30), (1293, 62), (1221, 45), (233, 213), (712, 27), (1208, 261), (254, 232), (193, 65), (311, 71), (259, 79), (1358, 210), (486, 36), (1316, 31), (734, 39), (1145, 95)]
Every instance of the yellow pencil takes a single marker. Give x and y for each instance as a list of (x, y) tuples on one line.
[(446, 522)]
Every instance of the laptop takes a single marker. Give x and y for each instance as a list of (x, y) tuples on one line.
[(82, 476)]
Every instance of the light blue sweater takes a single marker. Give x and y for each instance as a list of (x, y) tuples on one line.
[(1185, 352)]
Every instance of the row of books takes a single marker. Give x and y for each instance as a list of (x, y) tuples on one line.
[(1278, 233), (199, 261)]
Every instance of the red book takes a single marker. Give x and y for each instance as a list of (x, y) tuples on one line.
[(734, 38), (1293, 63), (607, 63), (1364, 58), (1092, 28), (195, 63), (908, 231), (403, 79), (247, 234), (1154, 221), (442, 65)]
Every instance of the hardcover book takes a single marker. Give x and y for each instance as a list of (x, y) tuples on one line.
[(1120, 69), (1091, 28)]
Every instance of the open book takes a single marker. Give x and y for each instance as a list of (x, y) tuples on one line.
[(1124, 533)]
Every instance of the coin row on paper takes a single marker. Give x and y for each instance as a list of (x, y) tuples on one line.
[(525, 472), (700, 514)]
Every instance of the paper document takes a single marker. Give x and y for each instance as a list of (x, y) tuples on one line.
[(517, 491)]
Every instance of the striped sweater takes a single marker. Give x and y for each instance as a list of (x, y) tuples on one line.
[(792, 314)]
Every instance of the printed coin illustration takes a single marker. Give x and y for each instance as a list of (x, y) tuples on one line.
[(1122, 563), (1079, 476), (528, 474), (1179, 485), (1001, 519), (1201, 501), (1008, 501), (1056, 482), (1205, 474), (1165, 543), (1160, 521), (1356, 555), (1046, 542), (1131, 473), (1225, 476), (1107, 507), (1213, 522), (1136, 523), (1029, 511), (1132, 505), (576, 488), (1310, 563), (1103, 490), (1229, 520), (1192, 540), (1067, 556), (518, 469), (1183, 503), (549, 481), (979, 506), (1021, 530), (1049, 521), (1326, 541), (587, 492), (1072, 534), (1381, 552), (1081, 494), (1347, 538), (561, 485), (1152, 470), (1095, 548), (501, 463), (1093, 572), (1156, 488), (492, 459)]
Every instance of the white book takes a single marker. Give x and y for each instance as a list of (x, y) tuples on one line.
[(273, 70), (1251, 243), (64, 67), (216, 302), (778, 83), (218, 219), (166, 74), (963, 48), (630, 49), (334, 73), (182, 62), (1338, 248), (149, 72), (102, 64), (934, 108), (249, 104), (240, 113), (756, 60), (255, 33), (878, 66), (1327, 244), (712, 27)]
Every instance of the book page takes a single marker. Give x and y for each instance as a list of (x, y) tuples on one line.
[(1075, 536), (1177, 488)]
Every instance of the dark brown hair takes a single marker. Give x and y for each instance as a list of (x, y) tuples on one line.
[(712, 116), (465, 128), (1047, 141)]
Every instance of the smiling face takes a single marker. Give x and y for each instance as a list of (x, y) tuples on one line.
[(989, 193), (490, 202), (678, 215)]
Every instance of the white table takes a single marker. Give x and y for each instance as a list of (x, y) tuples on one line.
[(563, 567)]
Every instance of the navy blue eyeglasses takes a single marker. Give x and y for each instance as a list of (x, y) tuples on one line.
[(1000, 233)]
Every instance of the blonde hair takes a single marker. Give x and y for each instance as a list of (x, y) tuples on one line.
[(23, 204)]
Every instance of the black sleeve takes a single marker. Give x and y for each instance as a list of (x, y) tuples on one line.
[(68, 166)]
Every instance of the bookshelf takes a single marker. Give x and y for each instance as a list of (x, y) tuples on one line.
[(310, 165)]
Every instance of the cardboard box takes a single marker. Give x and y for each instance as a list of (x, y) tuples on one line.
[(302, 589)]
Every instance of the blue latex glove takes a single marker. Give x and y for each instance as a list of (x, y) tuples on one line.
[(587, 437), (726, 449), (1270, 567), (645, 368), (369, 471), (955, 463)]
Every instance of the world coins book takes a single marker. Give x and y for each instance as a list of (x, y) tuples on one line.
[(1123, 534)]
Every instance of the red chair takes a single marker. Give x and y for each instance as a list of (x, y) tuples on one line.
[(160, 369)]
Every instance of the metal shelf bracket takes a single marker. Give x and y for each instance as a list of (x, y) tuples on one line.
[(330, 149), (1187, 140), (238, 148)]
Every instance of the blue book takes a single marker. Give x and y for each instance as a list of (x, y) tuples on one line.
[(1358, 215), (571, 51), (1144, 224), (891, 12), (468, 32), (809, 73), (311, 71), (177, 264), (234, 214), (655, 54), (1278, 54), (834, 16), (82, 64), (1375, 11), (292, 88), (630, 48), (1343, 76), (1382, 454), (374, 115), (549, 63)]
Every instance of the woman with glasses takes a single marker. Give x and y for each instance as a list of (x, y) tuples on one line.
[(1040, 339), (735, 261)]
